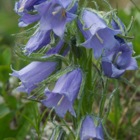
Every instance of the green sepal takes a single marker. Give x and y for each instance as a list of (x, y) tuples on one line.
[(125, 37), (41, 57), (130, 25)]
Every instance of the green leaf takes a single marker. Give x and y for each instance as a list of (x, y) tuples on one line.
[(4, 110), (24, 124), (11, 102), (40, 57), (5, 130), (10, 138), (6, 54), (4, 73), (22, 127)]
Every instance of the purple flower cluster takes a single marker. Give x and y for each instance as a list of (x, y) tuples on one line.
[(114, 52), (52, 17)]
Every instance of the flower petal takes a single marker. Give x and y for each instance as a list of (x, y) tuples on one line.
[(107, 68), (61, 106), (133, 64), (102, 40), (69, 84), (116, 73), (90, 131), (27, 19)]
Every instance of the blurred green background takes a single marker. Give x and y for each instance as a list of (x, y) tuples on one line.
[(12, 108)]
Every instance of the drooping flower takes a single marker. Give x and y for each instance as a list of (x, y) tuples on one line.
[(33, 74), (66, 89), (55, 15), (41, 39), (90, 131), (117, 61), (37, 41), (97, 34)]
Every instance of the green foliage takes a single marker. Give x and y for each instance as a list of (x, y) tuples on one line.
[(14, 122), (5, 58)]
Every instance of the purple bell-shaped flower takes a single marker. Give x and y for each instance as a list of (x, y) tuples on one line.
[(66, 89)]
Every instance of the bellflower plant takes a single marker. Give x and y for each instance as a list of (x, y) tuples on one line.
[(78, 56)]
